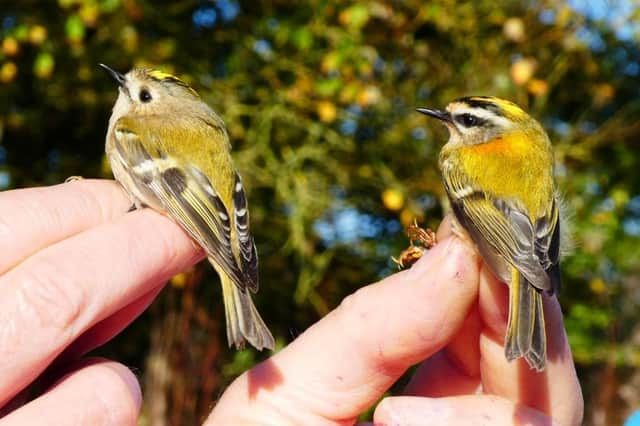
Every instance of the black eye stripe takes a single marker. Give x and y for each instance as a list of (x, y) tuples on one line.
[(468, 120)]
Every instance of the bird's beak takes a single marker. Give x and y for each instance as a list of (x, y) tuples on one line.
[(443, 116), (116, 75)]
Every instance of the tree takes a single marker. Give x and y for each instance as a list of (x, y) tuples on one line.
[(319, 101)]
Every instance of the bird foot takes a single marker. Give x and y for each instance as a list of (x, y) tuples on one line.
[(425, 238)]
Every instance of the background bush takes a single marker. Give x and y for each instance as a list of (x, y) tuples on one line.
[(319, 100)]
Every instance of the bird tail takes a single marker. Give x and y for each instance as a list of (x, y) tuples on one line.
[(243, 320), (525, 329)]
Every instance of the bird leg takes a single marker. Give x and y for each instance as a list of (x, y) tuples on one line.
[(425, 238)]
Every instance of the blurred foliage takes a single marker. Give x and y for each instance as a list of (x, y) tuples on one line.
[(319, 101)]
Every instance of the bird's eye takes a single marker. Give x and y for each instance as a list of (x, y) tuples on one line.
[(144, 96), (468, 120)]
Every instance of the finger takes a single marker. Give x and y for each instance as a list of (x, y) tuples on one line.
[(438, 377), (101, 392), (35, 218), (108, 328), (455, 370), (54, 296), (345, 362), (460, 410), (555, 391)]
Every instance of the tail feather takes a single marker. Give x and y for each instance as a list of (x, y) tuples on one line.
[(537, 357), (243, 320), (525, 329)]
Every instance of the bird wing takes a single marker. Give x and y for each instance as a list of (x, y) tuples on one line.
[(547, 244), (189, 195), (504, 232), (248, 251)]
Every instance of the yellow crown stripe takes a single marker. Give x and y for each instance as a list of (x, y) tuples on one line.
[(170, 78), (161, 75), (507, 107)]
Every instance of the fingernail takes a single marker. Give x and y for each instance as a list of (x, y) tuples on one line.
[(459, 245), (129, 378), (453, 246)]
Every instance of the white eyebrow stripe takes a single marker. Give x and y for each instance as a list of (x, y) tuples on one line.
[(484, 115)]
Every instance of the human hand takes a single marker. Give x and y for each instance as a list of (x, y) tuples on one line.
[(448, 310), (74, 271)]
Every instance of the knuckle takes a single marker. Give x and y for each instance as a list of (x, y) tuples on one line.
[(50, 296), (353, 305), (365, 322), (356, 313)]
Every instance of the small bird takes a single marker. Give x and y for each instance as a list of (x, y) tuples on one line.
[(498, 174), (171, 152)]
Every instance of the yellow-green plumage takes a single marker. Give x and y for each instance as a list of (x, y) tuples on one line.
[(529, 166), (171, 152), (498, 172), (213, 157)]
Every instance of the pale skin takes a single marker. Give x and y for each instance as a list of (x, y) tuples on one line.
[(75, 269)]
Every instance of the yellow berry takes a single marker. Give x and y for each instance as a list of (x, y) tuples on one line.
[(538, 87), (37, 34), (10, 46), (392, 199), (327, 111), (8, 72), (513, 29), (522, 70)]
